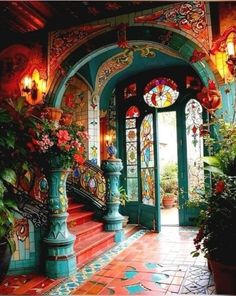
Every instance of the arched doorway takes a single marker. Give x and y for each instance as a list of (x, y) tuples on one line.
[(145, 105)]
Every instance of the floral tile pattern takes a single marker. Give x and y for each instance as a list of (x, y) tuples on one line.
[(146, 263)]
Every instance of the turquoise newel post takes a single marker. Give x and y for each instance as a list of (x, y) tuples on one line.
[(112, 168), (60, 256)]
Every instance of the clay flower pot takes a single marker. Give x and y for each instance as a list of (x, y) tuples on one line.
[(53, 113), (168, 200), (66, 118)]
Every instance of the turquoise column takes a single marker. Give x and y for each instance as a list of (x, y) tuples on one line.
[(113, 219), (60, 256)]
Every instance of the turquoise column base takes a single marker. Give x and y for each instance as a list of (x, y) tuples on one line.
[(60, 259), (119, 236), (113, 219)]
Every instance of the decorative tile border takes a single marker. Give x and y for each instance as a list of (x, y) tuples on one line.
[(83, 274)]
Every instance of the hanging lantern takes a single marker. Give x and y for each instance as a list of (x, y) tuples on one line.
[(210, 97), (121, 36)]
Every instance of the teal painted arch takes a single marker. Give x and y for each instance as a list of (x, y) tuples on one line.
[(105, 42)]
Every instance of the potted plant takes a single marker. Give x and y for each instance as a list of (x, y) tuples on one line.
[(169, 185), (123, 200), (216, 237), (12, 163)]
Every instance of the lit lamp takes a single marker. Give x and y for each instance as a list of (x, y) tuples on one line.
[(111, 149), (224, 50), (231, 50), (34, 88)]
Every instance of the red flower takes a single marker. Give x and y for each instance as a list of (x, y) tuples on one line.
[(31, 132), (69, 100), (31, 146), (81, 149), (78, 158), (63, 137), (220, 186)]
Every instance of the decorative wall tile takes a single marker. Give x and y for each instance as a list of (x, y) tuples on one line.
[(189, 18)]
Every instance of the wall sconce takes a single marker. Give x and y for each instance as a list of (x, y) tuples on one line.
[(224, 49), (108, 140), (34, 88)]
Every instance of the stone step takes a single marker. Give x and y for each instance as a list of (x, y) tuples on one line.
[(86, 230), (75, 207), (90, 248), (75, 219)]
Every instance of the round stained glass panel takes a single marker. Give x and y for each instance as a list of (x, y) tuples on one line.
[(161, 92)]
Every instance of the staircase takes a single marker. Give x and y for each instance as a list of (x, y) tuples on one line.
[(91, 239)]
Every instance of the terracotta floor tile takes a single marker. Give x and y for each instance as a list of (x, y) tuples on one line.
[(154, 264)]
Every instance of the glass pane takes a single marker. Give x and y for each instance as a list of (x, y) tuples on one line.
[(132, 189), (130, 91), (167, 144), (193, 115), (132, 171), (148, 186), (146, 142), (131, 135), (130, 123), (147, 160), (132, 112), (161, 92), (131, 149)]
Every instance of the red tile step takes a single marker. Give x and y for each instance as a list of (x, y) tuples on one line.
[(86, 250), (75, 207), (79, 218), (86, 230)]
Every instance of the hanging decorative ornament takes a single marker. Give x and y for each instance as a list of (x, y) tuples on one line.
[(210, 98), (121, 36), (197, 56)]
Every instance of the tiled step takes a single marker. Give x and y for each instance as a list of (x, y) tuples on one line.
[(130, 229), (78, 218), (89, 248), (86, 230), (75, 207)]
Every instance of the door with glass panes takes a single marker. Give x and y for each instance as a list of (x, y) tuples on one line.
[(139, 143), (140, 132)]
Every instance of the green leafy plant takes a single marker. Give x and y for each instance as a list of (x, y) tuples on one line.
[(216, 237), (124, 198), (13, 155), (169, 180)]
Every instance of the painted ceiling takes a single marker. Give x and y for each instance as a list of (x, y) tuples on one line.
[(29, 16)]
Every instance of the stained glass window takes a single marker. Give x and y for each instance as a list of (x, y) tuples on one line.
[(130, 91), (147, 160), (131, 153), (132, 112), (131, 134), (193, 117), (130, 123), (131, 149), (161, 92)]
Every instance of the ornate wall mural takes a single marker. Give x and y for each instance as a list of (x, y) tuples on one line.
[(119, 63), (187, 17), (111, 67), (62, 42)]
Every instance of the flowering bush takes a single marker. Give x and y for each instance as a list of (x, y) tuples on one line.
[(216, 238), (55, 145)]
